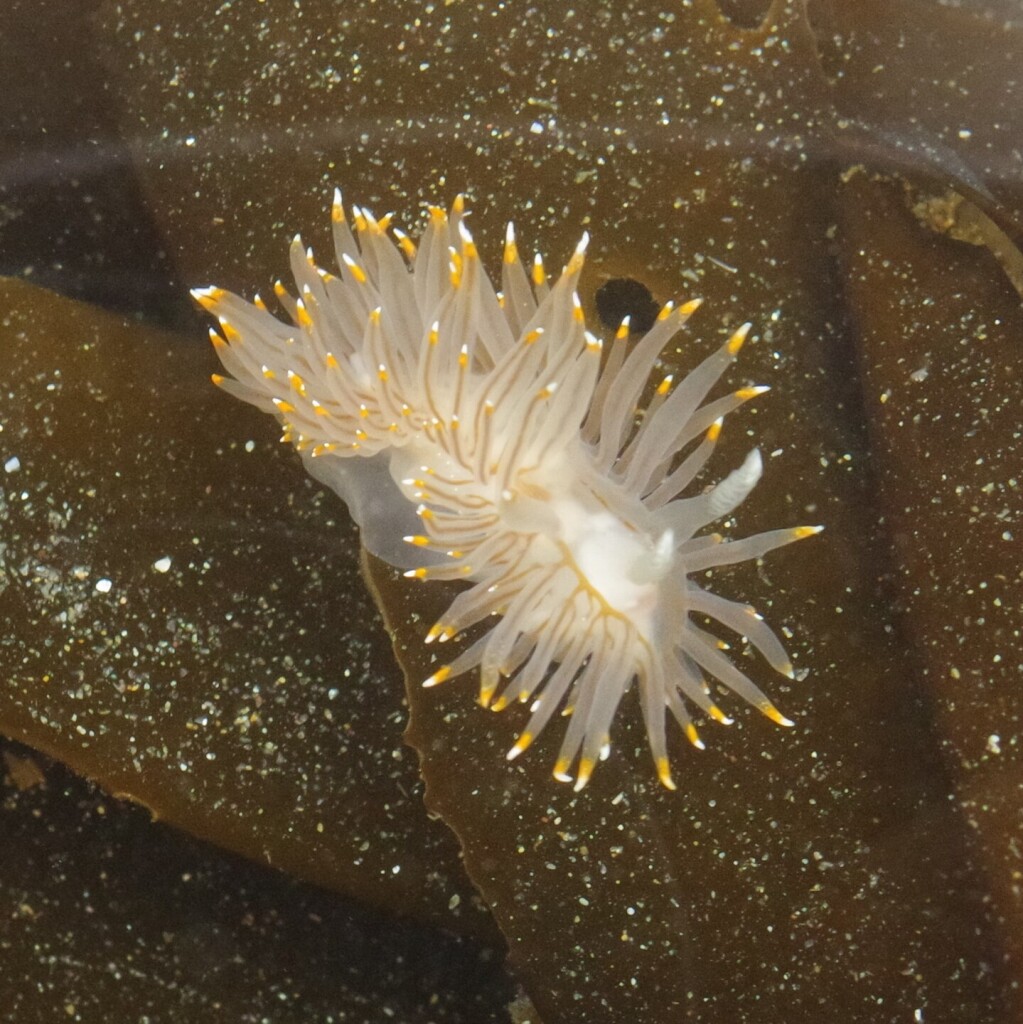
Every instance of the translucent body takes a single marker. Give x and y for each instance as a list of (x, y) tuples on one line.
[(488, 437)]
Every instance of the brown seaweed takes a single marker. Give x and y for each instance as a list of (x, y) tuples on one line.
[(863, 865), (158, 635), (108, 917)]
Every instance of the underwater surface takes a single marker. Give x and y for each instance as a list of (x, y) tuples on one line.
[(226, 793)]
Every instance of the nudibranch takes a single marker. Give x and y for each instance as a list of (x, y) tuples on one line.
[(488, 435)]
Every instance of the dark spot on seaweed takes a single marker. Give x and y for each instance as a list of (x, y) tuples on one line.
[(626, 297)]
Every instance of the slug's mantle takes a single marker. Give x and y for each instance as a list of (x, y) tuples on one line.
[(487, 435)]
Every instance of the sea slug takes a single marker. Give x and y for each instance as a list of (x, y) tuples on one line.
[(487, 436)]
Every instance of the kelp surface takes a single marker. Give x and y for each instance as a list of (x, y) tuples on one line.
[(841, 175)]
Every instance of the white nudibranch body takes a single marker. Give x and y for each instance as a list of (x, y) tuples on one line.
[(490, 437)]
